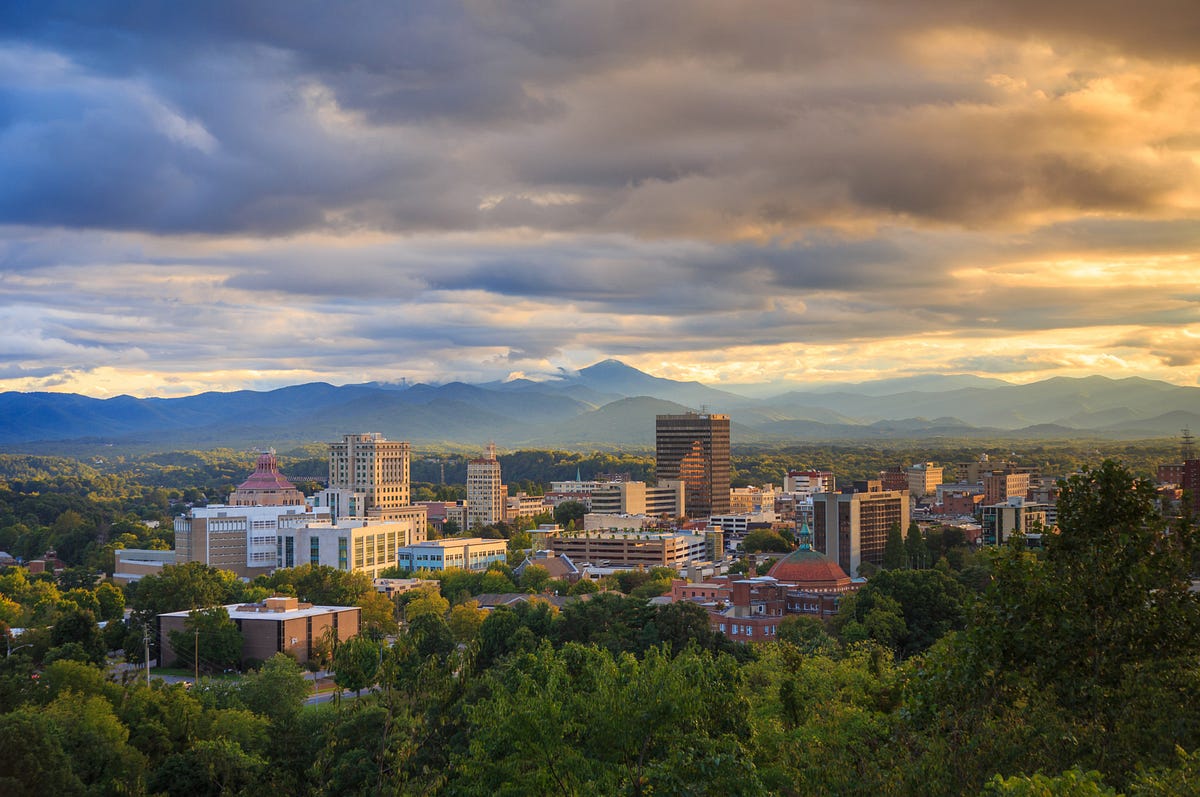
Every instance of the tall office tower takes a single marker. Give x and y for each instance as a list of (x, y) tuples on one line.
[(367, 475), (485, 493), (694, 449), (851, 528)]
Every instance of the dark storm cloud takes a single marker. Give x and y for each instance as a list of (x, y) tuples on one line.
[(200, 117)]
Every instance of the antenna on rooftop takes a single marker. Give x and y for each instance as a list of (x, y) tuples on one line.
[(1187, 447)]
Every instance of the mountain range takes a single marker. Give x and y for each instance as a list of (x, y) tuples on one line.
[(609, 404)]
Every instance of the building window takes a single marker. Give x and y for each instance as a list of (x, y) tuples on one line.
[(314, 551)]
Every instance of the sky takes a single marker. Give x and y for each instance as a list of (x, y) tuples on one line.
[(225, 195)]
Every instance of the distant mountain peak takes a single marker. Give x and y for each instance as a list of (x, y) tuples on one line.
[(611, 366)]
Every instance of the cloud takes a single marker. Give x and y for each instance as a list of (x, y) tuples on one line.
[(258, 193)]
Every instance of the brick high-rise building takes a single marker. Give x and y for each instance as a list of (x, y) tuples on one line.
[(694, 449), (999, 487)]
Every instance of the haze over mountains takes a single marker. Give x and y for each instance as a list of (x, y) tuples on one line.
[(608, 404)]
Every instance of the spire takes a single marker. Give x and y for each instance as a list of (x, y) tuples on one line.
[(804, 535), (578, 478)]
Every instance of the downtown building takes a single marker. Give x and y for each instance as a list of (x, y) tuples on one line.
[(368, 477), (369, 545), (637, 498), (694, 448), (852, 527), (486, 493), (241, 535)]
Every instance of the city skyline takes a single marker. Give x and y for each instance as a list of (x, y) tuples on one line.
[(223, 196)]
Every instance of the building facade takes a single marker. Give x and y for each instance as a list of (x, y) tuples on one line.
[(999, 487), (637, 498), (277, 625), (368, 475), (632, 550), (368, 545), (467, 553), (238, 538), (134, 564), (923, 479), (809, 482), (523, 505), (694, 449), (1014, 516), (852, 527), (1190, 481), (485, 491)]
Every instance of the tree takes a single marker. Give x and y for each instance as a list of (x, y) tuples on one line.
[(578, 721), (806, 633), (209, 768), (378, 613), (907, 610), (322, 584), (356, 663), (893, 549), (765, 540), (915, 549), (277, 690), (191, 585), (584, 586), (493, 581), (211, 635), (534, 578), (427, 601), (569, 512), (34, 763), (78, 626), (111, 602), (465, 621)]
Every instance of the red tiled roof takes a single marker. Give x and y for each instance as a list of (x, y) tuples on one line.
[(266, 475), (808, 568)]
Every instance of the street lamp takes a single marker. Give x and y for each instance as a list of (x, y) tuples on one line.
[(18, 647)]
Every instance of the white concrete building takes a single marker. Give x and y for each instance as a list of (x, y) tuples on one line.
[(365, 544), (238, 538)]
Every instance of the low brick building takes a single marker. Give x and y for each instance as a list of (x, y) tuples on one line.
[(277, 625)]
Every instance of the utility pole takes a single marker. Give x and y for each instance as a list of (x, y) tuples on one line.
[(196, 656), (146, 642)]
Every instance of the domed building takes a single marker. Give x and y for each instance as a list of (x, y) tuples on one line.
[(266, 486), (749, 609), (814, 582), (811, 571)]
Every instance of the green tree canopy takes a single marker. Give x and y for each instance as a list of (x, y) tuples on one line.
[(765, 540), (893, 550), (211, 635)]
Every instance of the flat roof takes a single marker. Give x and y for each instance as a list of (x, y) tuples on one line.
[(236, 612), (451, 541)]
